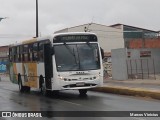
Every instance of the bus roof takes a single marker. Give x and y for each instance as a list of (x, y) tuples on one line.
[(50, 37), (74, 33)]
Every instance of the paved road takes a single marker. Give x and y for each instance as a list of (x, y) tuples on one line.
[(12, 100)]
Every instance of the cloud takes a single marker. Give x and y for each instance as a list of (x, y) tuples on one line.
[(53, 27), (58, 14)]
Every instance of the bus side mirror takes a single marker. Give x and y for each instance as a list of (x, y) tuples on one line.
[(102, 53)]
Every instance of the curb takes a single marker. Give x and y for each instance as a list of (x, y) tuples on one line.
[(128, 91)]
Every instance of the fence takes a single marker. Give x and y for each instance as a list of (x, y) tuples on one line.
[(141, 68)]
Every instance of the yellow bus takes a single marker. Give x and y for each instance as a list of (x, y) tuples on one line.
[(64, 61)]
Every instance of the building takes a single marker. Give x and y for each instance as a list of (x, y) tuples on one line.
[(4, 53), (109, 37), (142, 60), (4, 61), (136, 37)]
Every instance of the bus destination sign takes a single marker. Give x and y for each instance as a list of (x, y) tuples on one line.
[(75, 38)]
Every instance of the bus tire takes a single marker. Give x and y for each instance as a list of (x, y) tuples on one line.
[(21, 87), (41, 84), (27, 89), (44, 91), (55, 92), (82, 92)]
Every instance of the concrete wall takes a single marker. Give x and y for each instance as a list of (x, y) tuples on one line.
[(135, 66), (143, 67), (109, 37), (155, 54), (119, 66)]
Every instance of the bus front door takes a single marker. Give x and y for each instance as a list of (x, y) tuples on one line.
[(48, 65)]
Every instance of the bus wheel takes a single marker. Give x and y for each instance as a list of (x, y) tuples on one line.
[(82, 92), (27, 89), (44, 91), (55, 92), (42, 85), (21, 87)]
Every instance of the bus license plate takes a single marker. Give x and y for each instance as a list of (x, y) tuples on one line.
[(80, 84)]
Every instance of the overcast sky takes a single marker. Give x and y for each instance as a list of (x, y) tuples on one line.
[(58, 14)]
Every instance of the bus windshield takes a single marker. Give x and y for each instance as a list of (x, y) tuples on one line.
[(77, 57)]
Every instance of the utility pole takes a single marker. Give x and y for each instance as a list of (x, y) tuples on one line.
[(36, 18)]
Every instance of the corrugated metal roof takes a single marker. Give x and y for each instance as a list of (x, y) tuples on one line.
[(118, 24)]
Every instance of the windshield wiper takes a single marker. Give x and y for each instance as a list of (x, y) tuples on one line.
[(72, 52)]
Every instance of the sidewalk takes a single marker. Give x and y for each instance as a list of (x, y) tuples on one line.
[(133, 87)]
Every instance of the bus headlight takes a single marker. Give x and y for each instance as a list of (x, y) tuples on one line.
[(60, 77), (97, 76)]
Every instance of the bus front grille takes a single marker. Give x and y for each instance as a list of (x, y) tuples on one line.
[(77, 85)]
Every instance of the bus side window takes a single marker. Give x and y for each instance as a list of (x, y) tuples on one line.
[(18, 54), (34, 52), (15, 56), (40, 51), (30, 49), (25, 52), (17, 60), (21, 53)]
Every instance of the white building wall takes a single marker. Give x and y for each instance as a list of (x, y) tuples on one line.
[(108, 37)]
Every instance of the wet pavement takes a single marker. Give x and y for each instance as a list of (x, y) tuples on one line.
[(138, 85), (12, 100)]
